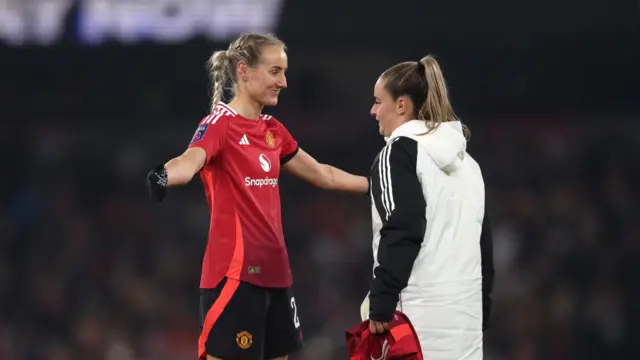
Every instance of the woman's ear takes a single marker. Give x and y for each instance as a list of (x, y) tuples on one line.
[(243, 71), (401, 105)]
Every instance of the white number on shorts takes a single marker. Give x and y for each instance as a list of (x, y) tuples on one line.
[(296, 320)]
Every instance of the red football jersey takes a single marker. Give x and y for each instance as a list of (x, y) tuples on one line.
[(400, 342), (240, 178)]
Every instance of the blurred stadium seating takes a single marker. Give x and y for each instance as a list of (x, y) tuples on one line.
[(90, 268)]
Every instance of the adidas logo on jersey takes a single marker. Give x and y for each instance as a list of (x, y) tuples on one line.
[(244, 140)]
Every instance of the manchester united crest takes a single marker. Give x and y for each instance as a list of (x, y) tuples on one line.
[(271, 141), (244, 339)]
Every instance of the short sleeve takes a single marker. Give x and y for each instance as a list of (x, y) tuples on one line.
[(288, 144), (210, 135)]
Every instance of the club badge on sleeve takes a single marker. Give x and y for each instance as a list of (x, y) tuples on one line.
[(199, 135)]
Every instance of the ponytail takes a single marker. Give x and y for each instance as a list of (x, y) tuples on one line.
[(424, 84), (218, 66), (436, 108)]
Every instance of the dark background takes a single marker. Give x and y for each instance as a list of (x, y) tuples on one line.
[(91, 268)]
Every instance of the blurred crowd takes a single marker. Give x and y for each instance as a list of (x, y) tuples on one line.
[(90, 268)]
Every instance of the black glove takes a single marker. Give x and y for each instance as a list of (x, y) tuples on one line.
[(157, 183)]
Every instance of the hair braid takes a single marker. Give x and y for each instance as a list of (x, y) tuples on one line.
[(218, 71)]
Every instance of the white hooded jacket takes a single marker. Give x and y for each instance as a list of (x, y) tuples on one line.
[(431, 241)]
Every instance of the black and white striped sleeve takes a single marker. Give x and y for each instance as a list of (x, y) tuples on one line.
[(398, 196)]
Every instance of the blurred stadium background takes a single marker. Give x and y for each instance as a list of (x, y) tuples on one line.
[(93, 93)]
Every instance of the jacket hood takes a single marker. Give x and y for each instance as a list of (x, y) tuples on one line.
[(446, 145)]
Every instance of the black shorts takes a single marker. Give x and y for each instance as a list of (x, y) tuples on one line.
[(239, 320)]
